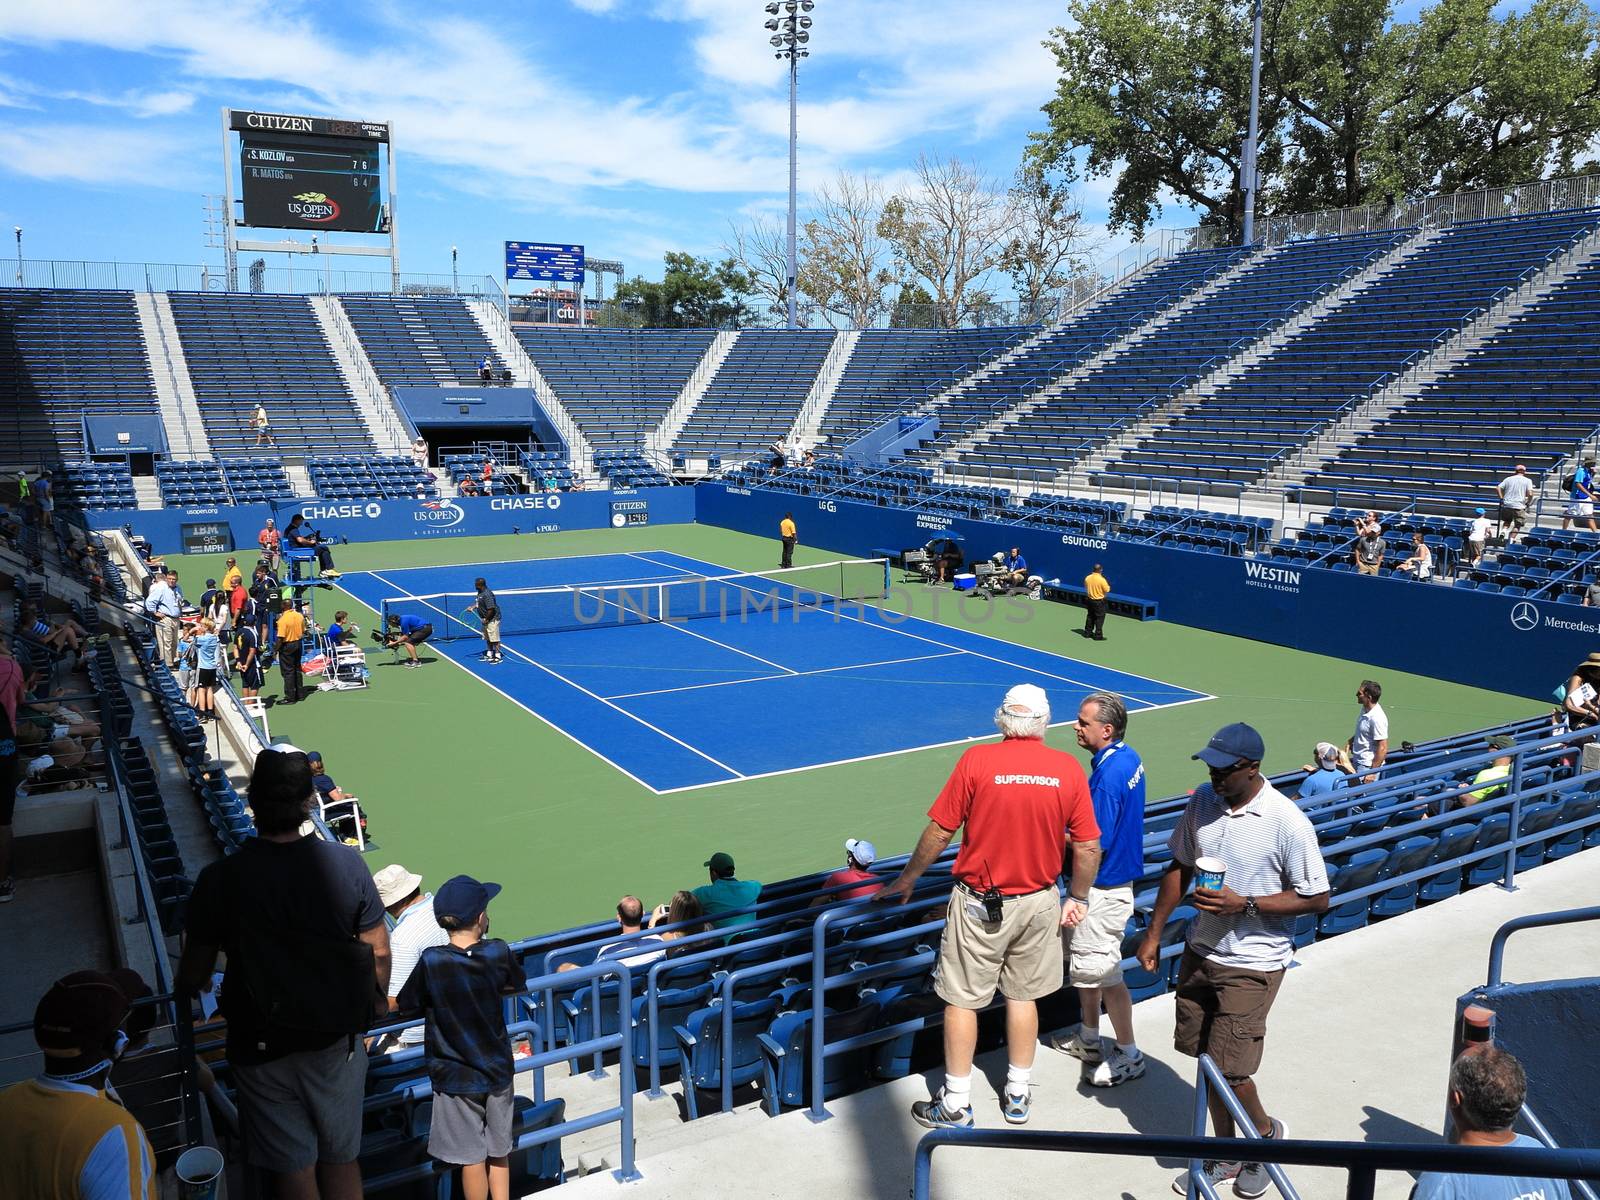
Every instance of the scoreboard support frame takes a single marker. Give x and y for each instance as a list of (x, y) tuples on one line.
[(233, 243)]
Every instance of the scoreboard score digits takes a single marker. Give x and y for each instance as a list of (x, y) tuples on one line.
[(310, 172)]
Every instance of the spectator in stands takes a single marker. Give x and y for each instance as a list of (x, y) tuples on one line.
[(1370, 549), (247, 652), (577, 484), (1368, 520), (419, 452), (208, 661), (1484, 783), (468, 486), (1420, 564), (271, 543), (486, 479), (461, 987), (164, 606), (1583, 491), (486, 369), (1581, 700), (808, 459), (413, 927), (301, 536), (1478, 530), (1095, 590), (1487, 1091), (684, 914), (262, 424), (44, 498), (1328, 771), (1241, 942), (780, 456), (1369, 745), (631, 948), (487, 606), (787, 536), (302, 926), (1515, 491), (858, 859), (232, 577), (1019, 801), (61, 1135), (1094, 946), (61, 635), (291, 629), (725, 894), (13, 685)]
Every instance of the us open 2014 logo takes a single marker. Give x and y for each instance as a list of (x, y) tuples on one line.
[(315, 207)]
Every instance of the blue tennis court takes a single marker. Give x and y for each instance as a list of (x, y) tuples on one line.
[(683, 704)]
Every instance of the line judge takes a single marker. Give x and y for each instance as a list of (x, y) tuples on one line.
[(786, 531)]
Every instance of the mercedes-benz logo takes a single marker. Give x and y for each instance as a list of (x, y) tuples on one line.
[(1524, 616)]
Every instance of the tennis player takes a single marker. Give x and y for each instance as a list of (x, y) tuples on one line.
[(487, 608)]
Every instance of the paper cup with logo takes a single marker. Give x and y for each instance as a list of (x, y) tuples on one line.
[(199, 1171), (1209, 873)]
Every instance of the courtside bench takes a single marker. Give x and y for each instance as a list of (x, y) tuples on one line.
[(1117, 605)]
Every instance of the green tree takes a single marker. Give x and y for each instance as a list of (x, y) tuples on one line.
[(693, 293), (1356, 107), (914, 309)]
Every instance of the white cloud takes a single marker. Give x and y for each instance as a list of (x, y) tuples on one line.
[(92, 154), (598, 7)]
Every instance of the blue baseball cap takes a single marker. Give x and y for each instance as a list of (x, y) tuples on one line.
[(1231, 744), (463, 898)]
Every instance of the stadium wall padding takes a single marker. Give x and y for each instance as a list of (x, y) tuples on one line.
[(1503, 643), (401, 520)]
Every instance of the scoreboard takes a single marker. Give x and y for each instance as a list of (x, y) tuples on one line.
[(305, 181)]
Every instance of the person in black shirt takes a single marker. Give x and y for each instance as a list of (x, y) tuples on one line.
[(308, 971), (460, 988), (487, 607)]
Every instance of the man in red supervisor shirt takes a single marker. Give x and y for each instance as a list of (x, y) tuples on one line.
[(1018, 799)]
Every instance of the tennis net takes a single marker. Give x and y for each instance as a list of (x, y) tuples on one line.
[(740, 596)]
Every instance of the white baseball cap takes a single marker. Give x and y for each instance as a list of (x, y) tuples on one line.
[(1327, 754), (864, 853), (1027, 700)]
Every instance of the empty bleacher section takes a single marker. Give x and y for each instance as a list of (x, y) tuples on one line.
[(1178, 353), (1528, 394), (1072, 342), (65, 355), (189, 482), (756, 395), (616, 383), (629, 468), (92, 485), (420, 340), (369, 477), (894, 370), (546, 470), (256, 479), (1235, 435), (246, 349)]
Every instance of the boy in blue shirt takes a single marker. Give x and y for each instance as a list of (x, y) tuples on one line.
[(460, 987)]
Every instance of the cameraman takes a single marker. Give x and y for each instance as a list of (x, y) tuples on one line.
[(408, 631), (1017, 569), (297, 535)]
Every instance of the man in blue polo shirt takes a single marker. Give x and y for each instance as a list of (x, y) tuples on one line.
[(409, 631), (1094, 946), (724, 893), (1017, 567)]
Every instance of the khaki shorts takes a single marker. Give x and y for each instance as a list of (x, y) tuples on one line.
[(1367, 568), (1020, 955), (1094, 947), (491, 630), (1222, 1011)]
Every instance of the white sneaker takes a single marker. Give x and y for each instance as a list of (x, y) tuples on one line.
[(1089, 1052), (1117, 1067)]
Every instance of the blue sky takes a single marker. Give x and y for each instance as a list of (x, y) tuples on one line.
[(632, 126)]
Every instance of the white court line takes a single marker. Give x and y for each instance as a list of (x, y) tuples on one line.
[(508, 696), (839, 612), (592, 695), (696, 687)]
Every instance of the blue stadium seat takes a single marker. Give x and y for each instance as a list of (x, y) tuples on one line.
[(1410, 855), (1361, 870), (700, 1050)]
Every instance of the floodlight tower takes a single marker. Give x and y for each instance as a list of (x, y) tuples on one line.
[(789, 25), (1250, 178)]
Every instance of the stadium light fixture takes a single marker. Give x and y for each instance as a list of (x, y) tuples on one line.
[(454, 286), (1249, 179), (789, 37), (17, 229)]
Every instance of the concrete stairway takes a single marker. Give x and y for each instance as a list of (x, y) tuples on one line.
[(384, 426), (807, 427), (169, 373), (659, 440)]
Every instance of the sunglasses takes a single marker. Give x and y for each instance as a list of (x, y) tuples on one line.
[(1229, 769)]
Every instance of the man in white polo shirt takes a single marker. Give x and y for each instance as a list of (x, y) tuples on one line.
[(1369, 745), (1241, 942), (412, 930)]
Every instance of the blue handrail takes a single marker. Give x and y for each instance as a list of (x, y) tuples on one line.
[(1497, 947)]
